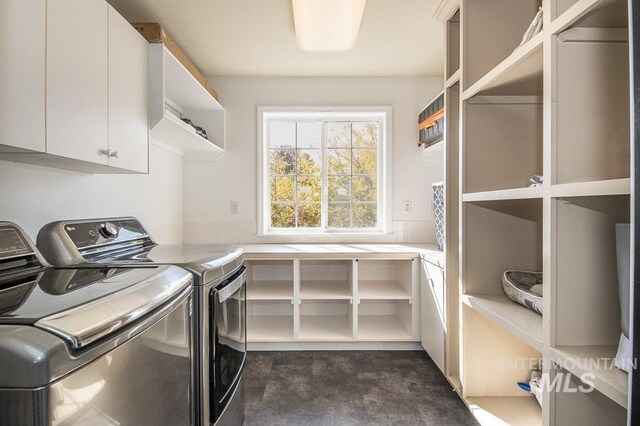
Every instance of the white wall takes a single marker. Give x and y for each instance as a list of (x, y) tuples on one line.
[(210, 187), (32, 196)]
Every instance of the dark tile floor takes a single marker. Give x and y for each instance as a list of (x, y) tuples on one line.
[(349, 388)]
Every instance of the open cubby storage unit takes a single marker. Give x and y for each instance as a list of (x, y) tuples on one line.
[(556, 106), (293, 302)]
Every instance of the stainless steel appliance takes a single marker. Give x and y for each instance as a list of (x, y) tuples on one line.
[(220, 314), (91, 346)]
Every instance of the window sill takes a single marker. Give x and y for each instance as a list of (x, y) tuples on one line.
[(318, 234)]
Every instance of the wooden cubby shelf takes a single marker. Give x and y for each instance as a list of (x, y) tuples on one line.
[(557, 106), (598, 361), (505, 410), (384, 320), (590, 189), (588, 13), (320, 290), (519, 74), (269, 321), (518, 320), (504, 194), (308, 301)]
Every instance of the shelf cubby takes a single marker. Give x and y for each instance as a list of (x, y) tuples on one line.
[(384, 320), (492, 30), (453, 45), (583, 408), (501, 236), (385, 279), (503, 136), (586, 277), (324, 320), (519, 74), (269, 280), (326, 279), (269, 321), (588, 13), (592, 136), (494, 361)]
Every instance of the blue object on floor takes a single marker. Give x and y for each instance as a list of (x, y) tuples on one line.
[(524, 386)]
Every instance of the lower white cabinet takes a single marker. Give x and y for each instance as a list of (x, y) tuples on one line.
[(363, 301), (433, 311)]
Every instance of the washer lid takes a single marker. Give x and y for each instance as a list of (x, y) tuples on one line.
[(33, 296), (84, 324)]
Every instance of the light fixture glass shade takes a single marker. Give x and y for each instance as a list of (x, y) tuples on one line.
[(327, 25)]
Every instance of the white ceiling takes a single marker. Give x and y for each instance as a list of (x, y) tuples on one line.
[(256, 38)]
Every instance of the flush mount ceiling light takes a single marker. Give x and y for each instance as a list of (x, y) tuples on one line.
[(327, 25)]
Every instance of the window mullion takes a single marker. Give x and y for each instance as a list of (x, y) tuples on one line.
[(324, 214)]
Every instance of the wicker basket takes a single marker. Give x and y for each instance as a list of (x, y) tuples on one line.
[(517, 286)]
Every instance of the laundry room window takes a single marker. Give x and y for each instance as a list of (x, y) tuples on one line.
[(324, 171)]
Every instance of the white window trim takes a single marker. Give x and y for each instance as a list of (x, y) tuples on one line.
[(383, 113)]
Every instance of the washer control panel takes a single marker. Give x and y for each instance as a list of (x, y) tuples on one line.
[(13, 243), (91, 234)]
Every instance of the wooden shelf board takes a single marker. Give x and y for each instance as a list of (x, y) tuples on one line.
[(595, 188), (318, 290), (516, 319), (325, 328), (277, 328), (597, 360), (175, 132), (381, 328), (455, 78), (518, 74), (504, 194), (591, 13), (270, 290), (382, 290), (505, 410)]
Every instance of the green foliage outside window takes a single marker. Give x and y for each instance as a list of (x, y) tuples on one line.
[(351, 151)]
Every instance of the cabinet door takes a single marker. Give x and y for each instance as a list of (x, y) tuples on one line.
[(128, 124), (22, 74), (433, 313), (77, 87)]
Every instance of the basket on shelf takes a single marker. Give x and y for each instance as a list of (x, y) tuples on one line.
[(438, 212), (431, 123), (525, 288)]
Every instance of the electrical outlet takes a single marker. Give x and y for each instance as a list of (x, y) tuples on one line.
[(234, 207), (406, 206)]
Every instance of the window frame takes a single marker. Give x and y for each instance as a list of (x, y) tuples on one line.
[(380, 114)]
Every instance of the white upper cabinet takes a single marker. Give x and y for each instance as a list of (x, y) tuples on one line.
[(73, 87), (22, 75), (128, 123), (77, 80)]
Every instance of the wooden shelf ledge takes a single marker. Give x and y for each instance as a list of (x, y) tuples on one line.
[(597, 360), (591, 189), (504, 194), (519, 74), (516, 319)]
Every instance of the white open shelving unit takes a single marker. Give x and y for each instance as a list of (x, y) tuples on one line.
[(293, 303), (175, 93), (544, 108)]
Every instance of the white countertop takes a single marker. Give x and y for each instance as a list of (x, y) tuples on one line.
[(341, 251)]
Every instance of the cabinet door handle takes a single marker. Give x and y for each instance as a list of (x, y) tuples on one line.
[(106, 152), (113, 154)]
